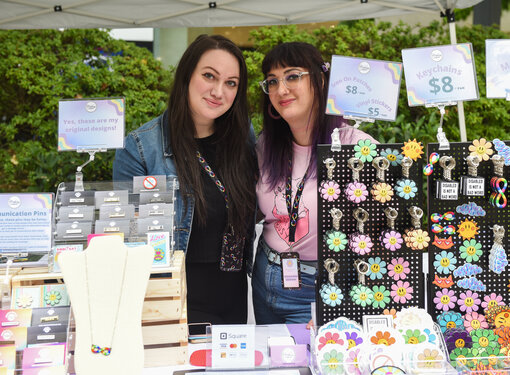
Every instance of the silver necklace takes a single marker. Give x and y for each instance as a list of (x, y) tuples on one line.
[(96, 349)]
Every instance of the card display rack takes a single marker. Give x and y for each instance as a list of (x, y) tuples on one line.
[(347, 276)]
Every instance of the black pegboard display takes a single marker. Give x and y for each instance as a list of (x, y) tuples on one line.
[(377, 222), (495, 283)]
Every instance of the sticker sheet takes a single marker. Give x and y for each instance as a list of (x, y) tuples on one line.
[(371, 227)]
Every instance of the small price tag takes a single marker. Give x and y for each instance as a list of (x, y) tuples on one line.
[(497, 64), (364, 88), (291, 275), (440, 74)]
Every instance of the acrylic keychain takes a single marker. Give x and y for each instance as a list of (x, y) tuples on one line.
[(447, 189), (381, 191), (360, 293), (472, 185), (405, 187), (390, 238), (498, 183), (334, 238), (416, 238), (330, 293), (329, 189), (359, 242), (497, 256), (355, 191)]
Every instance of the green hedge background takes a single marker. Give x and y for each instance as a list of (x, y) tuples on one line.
[(39, 67)]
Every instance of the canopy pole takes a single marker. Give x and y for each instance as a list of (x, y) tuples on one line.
[(450, 17)]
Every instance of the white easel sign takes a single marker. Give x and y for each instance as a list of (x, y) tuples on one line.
[(497, 61), (440, 74), (364, 88), (233, 347), (91, 124)]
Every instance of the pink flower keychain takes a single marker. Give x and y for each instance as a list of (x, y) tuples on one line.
[(390, 238), (355, 191), (359, 242), (329, 189)]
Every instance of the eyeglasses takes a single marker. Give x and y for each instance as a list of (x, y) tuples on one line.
[(291, 81)]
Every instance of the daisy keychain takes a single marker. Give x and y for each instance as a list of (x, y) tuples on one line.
[(415, 237), (381, 191), (497, 256), (330, 293), (359, 242), (334, 238), (391, 239), (355, 191), (360, 293), (472, 185), (405, 187), (329, 189), (447, 189)]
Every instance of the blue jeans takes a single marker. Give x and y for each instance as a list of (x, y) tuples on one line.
[(274, 305)]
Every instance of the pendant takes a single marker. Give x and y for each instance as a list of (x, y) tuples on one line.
[(96, 349)]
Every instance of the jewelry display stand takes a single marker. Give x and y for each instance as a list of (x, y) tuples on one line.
[(107, 284), (346, 276)]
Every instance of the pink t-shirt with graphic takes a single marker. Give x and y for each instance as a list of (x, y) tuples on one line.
[(273, 206)]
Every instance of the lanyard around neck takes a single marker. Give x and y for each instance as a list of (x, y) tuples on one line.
[(293, 207), (211, 174)]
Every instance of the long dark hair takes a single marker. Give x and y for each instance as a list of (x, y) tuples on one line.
[(235, 162), (277, 136)]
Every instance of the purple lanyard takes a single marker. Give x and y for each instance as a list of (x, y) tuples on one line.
[(293, 208), (211, 174)]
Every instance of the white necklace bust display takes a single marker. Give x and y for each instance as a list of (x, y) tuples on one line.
[(107, 284)]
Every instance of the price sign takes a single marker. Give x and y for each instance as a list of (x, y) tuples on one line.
[(440, 74), (88, 124), (364, 88), (497, 60)]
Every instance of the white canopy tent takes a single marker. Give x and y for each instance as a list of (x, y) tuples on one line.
[(50, 14)]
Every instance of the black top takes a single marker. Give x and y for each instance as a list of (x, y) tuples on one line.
[(205, 239)]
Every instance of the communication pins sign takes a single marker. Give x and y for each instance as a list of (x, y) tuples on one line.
[(440, 74), (364, 88)]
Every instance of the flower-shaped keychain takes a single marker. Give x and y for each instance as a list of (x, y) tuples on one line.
[(359, 242), (390, 238), (381, 191), (329, 189), (472, 185), (498, 183), (405, 187), (447, 189), (355, 191), (360, 293), (415, 237), (497, 256), (330, 293), (334, 238)]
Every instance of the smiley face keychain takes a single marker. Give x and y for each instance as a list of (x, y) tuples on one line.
[(381, 190), (359, 242), (416, 238), (355, 191), (335, 239), (330, 293), (329, 189), (405, 187), (390, 238)]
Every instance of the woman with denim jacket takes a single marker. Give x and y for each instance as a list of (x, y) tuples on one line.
[(296, 86), (203, 138)]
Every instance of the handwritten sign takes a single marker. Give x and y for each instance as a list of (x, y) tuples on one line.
[(497, 60), (364, 88), (440, 74), (89, 124)]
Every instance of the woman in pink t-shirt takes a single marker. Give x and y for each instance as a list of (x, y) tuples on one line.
[(295, 122)]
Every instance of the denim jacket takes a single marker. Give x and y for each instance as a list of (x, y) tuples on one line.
[(147, 152)]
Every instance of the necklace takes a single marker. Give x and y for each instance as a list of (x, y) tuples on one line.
[(96, 349)]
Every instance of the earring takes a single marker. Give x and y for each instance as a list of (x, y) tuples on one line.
[(270, 112), (330, 293)]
